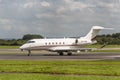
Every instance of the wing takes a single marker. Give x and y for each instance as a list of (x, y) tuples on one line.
[(68, 48)]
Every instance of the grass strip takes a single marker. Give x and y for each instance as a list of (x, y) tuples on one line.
[(107, 46), (9, 47), (106, 51), (52, 77), (111, 68)]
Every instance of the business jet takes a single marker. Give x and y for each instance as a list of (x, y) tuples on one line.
[(62, 45)]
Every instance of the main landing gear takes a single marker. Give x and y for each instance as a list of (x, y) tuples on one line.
[(61, 53), (68, 53)]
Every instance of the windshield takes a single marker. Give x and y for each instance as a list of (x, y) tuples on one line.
[(30, 41)]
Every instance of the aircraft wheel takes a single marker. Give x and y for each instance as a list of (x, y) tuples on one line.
[(61, 53), (29, 52), (69, 54)]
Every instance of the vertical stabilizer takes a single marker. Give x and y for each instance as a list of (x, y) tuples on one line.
[(93, 32)]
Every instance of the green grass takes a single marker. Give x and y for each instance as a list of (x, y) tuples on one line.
[(106, 51), (107, 46), (52, 77), (59, 70), (9, 47), (111, 68), (113, 46)]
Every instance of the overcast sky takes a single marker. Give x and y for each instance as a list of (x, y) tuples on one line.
[(57, 18)]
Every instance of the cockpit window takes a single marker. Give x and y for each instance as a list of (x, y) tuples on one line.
[(30, 41)]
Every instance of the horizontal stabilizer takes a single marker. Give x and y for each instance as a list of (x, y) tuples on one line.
[(94, 32), (109, 28)]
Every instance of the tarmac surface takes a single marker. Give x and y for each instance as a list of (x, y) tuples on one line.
[(8, 54)]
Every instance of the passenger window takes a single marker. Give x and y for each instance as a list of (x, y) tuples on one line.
[(59, 42), (53, 43)]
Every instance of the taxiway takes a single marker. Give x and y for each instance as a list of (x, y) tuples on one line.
[(8, 54), (55, 56)]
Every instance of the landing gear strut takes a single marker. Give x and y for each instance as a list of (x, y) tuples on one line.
[(61, 53), (29, 52)]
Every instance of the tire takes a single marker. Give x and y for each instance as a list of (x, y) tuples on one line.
[(61, 53), (69, 54)]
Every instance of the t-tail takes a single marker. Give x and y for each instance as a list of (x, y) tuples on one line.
[(94, 32)]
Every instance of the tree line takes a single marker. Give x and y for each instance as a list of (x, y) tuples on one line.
[(113, 39), (18, 42)]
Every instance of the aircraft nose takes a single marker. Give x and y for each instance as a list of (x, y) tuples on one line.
[(22, 47), (25, 47)]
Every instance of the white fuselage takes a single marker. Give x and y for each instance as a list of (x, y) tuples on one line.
[(48, 44)]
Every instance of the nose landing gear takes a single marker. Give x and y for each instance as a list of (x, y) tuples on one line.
[(29, 52)]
